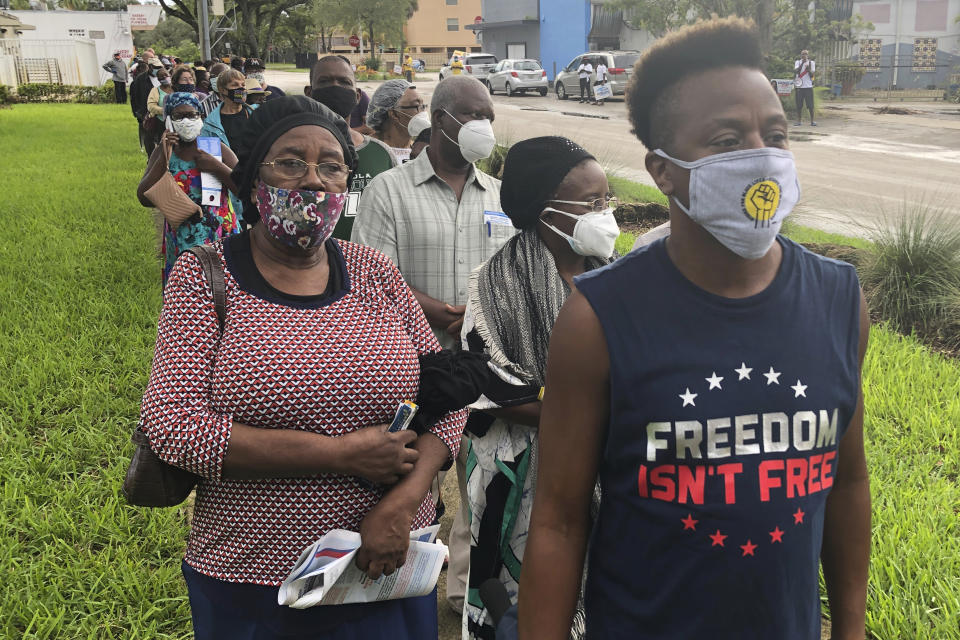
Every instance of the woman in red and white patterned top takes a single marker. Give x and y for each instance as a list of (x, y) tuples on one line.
[(284, 414)]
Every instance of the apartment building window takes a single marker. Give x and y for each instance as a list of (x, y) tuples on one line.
[(451, 3), (453, 24)]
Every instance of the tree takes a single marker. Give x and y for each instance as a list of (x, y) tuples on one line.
[(171, 36), (382, 20)]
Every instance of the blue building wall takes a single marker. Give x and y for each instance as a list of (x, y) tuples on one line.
[(564, 25), (907, 78)]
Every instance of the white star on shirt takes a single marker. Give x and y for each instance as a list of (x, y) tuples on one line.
[(799, 390), (688, 398), (772, 376), (714, 381), (744, 371)]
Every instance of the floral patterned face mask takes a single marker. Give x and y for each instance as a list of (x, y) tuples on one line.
[(299, 218)]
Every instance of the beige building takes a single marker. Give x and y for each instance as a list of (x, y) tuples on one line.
[(439, 26)]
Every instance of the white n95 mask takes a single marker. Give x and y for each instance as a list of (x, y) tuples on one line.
[(475, 139), (595, 234), (418, 124), (741, 197)]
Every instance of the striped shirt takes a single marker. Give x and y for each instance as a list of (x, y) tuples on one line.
[(413, 216)]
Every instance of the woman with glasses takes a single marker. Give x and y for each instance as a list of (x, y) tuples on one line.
[(556, 194), (284, 415), (218, 218), (393, 105)]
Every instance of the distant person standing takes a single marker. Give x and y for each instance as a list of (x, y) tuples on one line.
[(803, 70), (140, 90), (602, 78), (334, 85), (585, 70), (117, 67)]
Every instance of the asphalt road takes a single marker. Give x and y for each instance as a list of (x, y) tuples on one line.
[(856, 168)]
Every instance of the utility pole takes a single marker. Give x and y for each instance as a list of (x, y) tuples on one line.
[(203, 13)]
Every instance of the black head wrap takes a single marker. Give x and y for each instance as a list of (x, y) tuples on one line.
[(532, 171), (270, 121)]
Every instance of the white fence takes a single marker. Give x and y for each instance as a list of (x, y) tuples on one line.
[(76, 60)]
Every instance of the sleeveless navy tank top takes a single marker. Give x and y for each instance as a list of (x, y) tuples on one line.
[(721, 448)]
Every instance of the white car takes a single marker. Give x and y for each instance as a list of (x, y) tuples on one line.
[(518, 76), (477, 65)]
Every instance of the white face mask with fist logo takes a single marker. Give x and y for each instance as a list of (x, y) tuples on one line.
[(741, 197)]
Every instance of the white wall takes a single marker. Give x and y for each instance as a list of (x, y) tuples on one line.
[(83, 26), (886, 29), (635, 39)]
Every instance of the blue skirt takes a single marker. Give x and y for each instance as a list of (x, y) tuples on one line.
[(240, 611)]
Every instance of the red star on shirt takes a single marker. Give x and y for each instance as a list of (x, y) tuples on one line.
[(717, 538), (689, 523), (748, 548), (798, 516), (776, 535)]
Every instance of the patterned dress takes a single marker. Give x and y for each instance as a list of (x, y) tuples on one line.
[(203, 228)]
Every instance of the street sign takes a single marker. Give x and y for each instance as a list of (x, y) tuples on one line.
[(354, 41), (478, 20), (227, 45)]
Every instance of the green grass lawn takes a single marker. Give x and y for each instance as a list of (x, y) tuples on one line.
[(80, 282)]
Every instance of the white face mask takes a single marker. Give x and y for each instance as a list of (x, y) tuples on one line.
[(476, 139), (742, 197), (595, 234), (188, 130), (418, 124)]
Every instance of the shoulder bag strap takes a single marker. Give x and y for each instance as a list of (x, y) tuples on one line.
[(213, 270)]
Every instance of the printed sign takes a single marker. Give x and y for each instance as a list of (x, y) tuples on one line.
[(602, 91), (143, 17), (783, 87)]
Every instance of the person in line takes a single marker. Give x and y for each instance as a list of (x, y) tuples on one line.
[(421, 142), (140, 90), (209, 104), (187, 161), (287, 448), (183, 80), (155, 124), (728, 432), (229, 118), (393, 106), (803, 70), (602, 78), (203, 82), (358, 117), (256, 95), (254, 68), (333, 84), (556, 194), (438, 218), (120, 75), (584, 71)]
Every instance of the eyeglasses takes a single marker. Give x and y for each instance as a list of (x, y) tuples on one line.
[(294, 169), (412, 107), (594, 205), (176, 117)]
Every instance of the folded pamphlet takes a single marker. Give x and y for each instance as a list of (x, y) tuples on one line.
[(327, 574)]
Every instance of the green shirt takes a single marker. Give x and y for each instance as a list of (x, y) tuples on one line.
[(374, 158)]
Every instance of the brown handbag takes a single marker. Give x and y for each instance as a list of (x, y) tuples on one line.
[(168, 197), (151, 482)]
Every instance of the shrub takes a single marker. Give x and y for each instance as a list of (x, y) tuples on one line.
[(913, 277), (790, 102), (372, 63), (493, 165), (6, 96), (42, 92)]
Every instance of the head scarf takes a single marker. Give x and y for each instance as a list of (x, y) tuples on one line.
[(270, 121), (177, 99), (383, 100), (532, 171)]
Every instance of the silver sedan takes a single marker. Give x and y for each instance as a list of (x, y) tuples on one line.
[(518, 76)]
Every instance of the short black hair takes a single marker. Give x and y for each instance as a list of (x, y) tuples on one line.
[(704, 46), (335, 58)]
